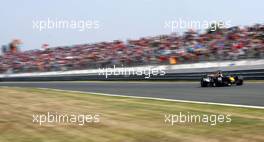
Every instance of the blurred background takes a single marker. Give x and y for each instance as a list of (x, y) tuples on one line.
[(129, 33)]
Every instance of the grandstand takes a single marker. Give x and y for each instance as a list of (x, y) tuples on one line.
[(232, 43)]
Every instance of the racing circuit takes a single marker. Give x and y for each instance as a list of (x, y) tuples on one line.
[(251, 93)]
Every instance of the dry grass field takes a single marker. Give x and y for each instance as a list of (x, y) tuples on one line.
[(121, 119)]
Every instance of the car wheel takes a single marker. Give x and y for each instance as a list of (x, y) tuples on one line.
[(239, 83), (203, 84)]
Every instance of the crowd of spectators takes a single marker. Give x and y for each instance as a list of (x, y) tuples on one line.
[(224, 44)]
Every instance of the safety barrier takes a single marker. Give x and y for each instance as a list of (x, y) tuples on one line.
[(249, 69)]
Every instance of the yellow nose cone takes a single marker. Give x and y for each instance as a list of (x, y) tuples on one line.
[(232, 79)]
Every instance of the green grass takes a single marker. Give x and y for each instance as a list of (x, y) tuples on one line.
[(121, 119)]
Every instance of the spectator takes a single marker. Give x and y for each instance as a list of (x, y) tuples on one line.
[(225, 44)]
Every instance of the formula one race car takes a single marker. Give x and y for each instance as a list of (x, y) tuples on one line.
[(218, 79)]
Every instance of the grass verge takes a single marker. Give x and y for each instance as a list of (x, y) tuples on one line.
[(121, 119)]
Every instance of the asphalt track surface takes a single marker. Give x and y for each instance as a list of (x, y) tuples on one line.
[(248, 94)]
